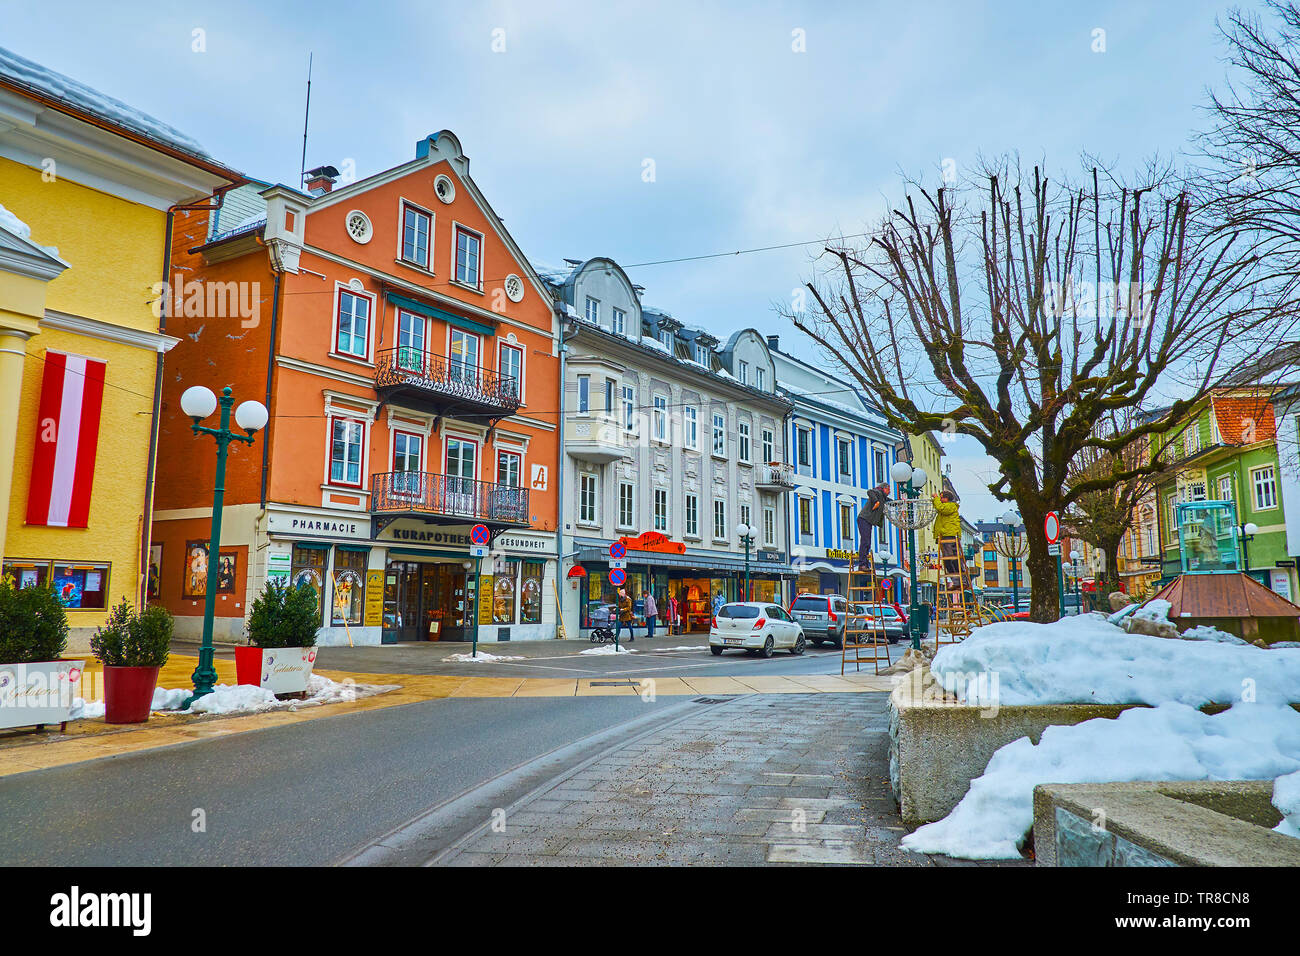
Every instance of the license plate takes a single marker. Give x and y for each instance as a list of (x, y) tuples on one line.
[(807, 617), (733, 640)]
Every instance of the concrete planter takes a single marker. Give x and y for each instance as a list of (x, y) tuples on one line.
[(281, 670), (38, 694)]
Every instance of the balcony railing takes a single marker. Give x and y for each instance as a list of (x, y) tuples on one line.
[(448, 496), (442, 380), (775, 476)]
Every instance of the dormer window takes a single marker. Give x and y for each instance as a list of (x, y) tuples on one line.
[(593, 310), (702, 355), (618, 322), (666, 337)]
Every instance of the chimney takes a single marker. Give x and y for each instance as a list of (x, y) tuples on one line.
[(774, 343), (321, 180)]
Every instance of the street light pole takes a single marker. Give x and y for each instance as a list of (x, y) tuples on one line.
[(911, 479), (746, 538), (198, 403), (1247, 532)]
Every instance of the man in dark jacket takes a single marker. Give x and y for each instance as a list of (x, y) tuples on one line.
[(871, 516)]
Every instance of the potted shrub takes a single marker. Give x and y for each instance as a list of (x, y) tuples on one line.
[(36, 687), (132, 647), (282, 627)]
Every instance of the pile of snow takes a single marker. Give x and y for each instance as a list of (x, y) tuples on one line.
[(482, 658), (1156, 610), (608, 649), (684, 647), (1286, 797), (1203, 632), (1171, 742), (243, 698), (13, 224), (1088, 660)]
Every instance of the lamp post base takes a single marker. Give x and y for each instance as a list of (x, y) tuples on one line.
[(204, 676)]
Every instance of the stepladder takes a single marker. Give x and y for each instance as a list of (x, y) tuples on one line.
[(955, 615), (865, 640)]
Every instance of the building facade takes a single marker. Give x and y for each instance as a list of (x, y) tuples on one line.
[(90, 189), (839, 449), (673, 440), (409, 360)]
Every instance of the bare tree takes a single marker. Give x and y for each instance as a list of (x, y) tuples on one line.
[(1027, 315)]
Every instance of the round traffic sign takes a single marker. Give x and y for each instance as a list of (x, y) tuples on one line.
[(618, 550), (479, 534), (617, 577), (1052, 527)]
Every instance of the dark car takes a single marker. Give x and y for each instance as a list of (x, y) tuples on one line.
[(823, 617)]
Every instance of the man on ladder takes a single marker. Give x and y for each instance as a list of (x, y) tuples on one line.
[(951, 613)]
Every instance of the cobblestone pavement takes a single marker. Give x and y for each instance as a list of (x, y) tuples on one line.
[(753, 780)]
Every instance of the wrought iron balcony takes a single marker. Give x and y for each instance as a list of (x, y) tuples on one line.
[(448, 498), (777, 477), (446, 386)]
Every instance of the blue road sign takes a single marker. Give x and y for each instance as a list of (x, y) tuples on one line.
[(618, 550), (617, 577), (479, 534)]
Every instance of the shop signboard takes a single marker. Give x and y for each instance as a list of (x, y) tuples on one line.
[(374, 612), (653, 541), (278, 567), (485, 599)]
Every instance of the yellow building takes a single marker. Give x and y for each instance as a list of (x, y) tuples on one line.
[(927, 454), (88, 188)]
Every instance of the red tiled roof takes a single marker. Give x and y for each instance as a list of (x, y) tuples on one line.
[(1244, 419)]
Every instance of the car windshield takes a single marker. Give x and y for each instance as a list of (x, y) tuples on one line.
[(810, 602), (738, 610)]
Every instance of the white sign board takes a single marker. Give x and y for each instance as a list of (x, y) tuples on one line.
[(287, 670), (1280, 582), (538, 478), (1052, 528), (478, 550), (40, 693), (1054, 549), (618, 562)]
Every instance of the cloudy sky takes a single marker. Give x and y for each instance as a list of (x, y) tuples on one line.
[(764, 124)]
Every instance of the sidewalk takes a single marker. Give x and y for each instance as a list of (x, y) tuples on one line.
[(754, 780)]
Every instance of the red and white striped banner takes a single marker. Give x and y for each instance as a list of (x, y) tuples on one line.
[(67, 434)]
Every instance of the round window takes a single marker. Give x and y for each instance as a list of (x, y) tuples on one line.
[(358, 226), (514, 288), (444, 188)]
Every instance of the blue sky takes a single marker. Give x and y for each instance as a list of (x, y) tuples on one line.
[(754, 144)]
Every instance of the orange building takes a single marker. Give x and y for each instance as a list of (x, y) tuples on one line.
[(409, 359)]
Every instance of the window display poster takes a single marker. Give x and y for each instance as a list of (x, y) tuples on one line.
[(374, 599), (155, 570), (195, 582)]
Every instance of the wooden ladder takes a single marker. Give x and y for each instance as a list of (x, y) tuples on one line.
[(954, 616), (864, 637)]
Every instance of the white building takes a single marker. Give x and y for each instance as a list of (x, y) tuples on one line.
[(672, 441)]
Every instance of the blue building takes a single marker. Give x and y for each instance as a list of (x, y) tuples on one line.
[(839, 447)]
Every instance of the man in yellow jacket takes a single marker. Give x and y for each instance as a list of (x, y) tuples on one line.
[(947, 533)]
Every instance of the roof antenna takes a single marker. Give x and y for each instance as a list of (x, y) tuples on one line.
[(302, 171)]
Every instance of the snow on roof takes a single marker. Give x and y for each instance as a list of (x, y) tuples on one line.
[(825, 399), (57, 86), (13, 224)]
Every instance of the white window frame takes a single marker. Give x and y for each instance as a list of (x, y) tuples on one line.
[(502, 345), (456, 230), (629, 409), (618, 321), (659, 427), (1256, 487), (719, 435), (584, 394), (592, 310), (626, 505), (760, 379), (588, 499), (692, 515), (1225, 488), (769, 446), (362, 446), (799, 431), (341, 289), (743, 443), (743, 375), (661, 509), (769, 526), (844, 477), (427, 264), (691, 427), (719, 519)]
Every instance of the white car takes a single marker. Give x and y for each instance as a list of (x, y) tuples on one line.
[(756, 627)]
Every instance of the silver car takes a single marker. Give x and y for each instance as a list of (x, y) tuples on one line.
[(823, 617)]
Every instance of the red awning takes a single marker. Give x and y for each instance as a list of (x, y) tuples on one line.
[(577, 571)]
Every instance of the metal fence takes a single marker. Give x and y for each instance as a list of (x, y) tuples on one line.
[(468, 498)]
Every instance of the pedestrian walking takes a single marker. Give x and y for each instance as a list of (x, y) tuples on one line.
[(672, 614), (651, 613), (624, 616), (717, 603)]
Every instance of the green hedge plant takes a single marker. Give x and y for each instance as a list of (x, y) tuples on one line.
[(284, 616), (131, 639), (33, 624)]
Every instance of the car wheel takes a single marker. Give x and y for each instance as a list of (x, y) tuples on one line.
[(768, 646), (798, 646), (838, 643), (715, 651), (818, 641)]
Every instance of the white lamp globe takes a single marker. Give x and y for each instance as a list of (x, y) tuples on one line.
[(198, 401), (250, 416), (900, 471), (1251, 528), (1074, 555), (742, 529), (918, 477)]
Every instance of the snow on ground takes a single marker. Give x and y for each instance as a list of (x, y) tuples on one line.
[(1286, 797), (242, 698), (1085, 659), (1171, 742), (684, 647), (608, 649), (482, 658)]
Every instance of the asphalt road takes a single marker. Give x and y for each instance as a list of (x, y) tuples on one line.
[(309, 794)]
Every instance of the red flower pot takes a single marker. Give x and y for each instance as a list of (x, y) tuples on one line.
[(128, 694), (248, 665)]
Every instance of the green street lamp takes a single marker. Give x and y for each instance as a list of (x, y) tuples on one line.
[(746, 534), (912, 480), (198, 403), (1009, 543), (1075, 556)]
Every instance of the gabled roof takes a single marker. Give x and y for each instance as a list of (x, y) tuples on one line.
[(1223, 595)]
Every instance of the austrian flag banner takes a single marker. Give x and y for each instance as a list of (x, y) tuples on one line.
[(67, 433)]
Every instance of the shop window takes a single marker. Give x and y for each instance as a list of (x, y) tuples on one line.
[(530, 592), (27, 574), (308, 567), (349, 586), (503, 593), (81, 587)]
